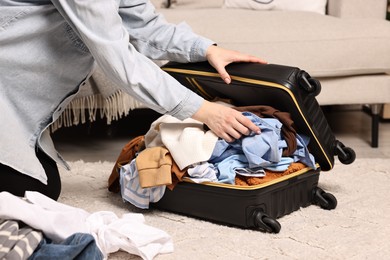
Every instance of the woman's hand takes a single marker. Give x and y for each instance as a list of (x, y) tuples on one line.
[(225, 122), (219, 57)]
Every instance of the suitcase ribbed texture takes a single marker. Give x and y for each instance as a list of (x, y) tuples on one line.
[(320, 126), (236, 206), (290, 199)]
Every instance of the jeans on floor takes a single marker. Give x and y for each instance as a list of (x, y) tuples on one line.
[(78, 246)]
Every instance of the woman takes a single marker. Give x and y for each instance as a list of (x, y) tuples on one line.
[(49, 49)]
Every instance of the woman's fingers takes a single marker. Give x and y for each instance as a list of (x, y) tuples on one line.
[(225, 122), (248, 125)]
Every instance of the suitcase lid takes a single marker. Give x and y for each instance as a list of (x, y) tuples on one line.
[(278, 86)]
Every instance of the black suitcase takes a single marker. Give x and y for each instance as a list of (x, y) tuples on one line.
[(288, 89)]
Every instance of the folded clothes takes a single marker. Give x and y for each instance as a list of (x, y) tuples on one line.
[(154, 167), (255, 172)]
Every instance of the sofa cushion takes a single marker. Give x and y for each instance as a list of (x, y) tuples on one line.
[(362, 89), (318, 6), (357, 8), (321, 44)]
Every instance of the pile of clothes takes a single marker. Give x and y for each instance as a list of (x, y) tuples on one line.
[(173, 150), (37, 227)]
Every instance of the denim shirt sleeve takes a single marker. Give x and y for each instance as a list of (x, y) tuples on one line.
[(106, 34), (154, 37)]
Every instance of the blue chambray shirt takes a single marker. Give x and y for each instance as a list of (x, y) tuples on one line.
[(49, 48)]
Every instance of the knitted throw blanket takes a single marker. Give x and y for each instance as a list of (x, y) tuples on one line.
[(98, 95)]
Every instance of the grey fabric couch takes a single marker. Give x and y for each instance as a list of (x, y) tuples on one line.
[(348, 49)]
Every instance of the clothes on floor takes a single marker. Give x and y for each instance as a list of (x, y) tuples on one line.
[(130, 234), (58, 222), (17, 240), (79, 246)]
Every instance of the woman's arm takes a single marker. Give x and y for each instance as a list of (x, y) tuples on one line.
[(100, 27), (154, 37)]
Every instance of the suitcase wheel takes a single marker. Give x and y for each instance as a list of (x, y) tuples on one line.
[(346, 155), (265, 223), (315, 86), (309, 84), (324, 199)]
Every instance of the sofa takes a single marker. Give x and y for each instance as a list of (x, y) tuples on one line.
[(347, 49)]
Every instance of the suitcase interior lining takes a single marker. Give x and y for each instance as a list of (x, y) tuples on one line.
[(254, 187)]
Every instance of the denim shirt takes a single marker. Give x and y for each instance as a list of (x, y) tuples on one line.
[(49, 48)]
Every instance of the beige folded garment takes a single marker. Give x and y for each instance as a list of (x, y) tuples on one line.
[(154, 167)]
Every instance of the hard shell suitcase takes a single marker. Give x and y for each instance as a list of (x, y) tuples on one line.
[(257, 207), (286, 88)]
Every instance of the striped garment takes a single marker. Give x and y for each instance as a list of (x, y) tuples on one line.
[(132, 191), (17, 241)]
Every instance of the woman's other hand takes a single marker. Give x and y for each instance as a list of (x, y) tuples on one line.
[(219, 57)]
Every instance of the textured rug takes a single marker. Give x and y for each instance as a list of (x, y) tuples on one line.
[(359, 228)]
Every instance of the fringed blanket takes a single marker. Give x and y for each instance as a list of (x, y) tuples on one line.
[(101, 96)]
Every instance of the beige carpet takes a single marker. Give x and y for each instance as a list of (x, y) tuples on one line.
[(359, 228)]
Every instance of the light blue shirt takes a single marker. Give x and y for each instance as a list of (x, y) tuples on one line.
[(49, 48), (262, 150)]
